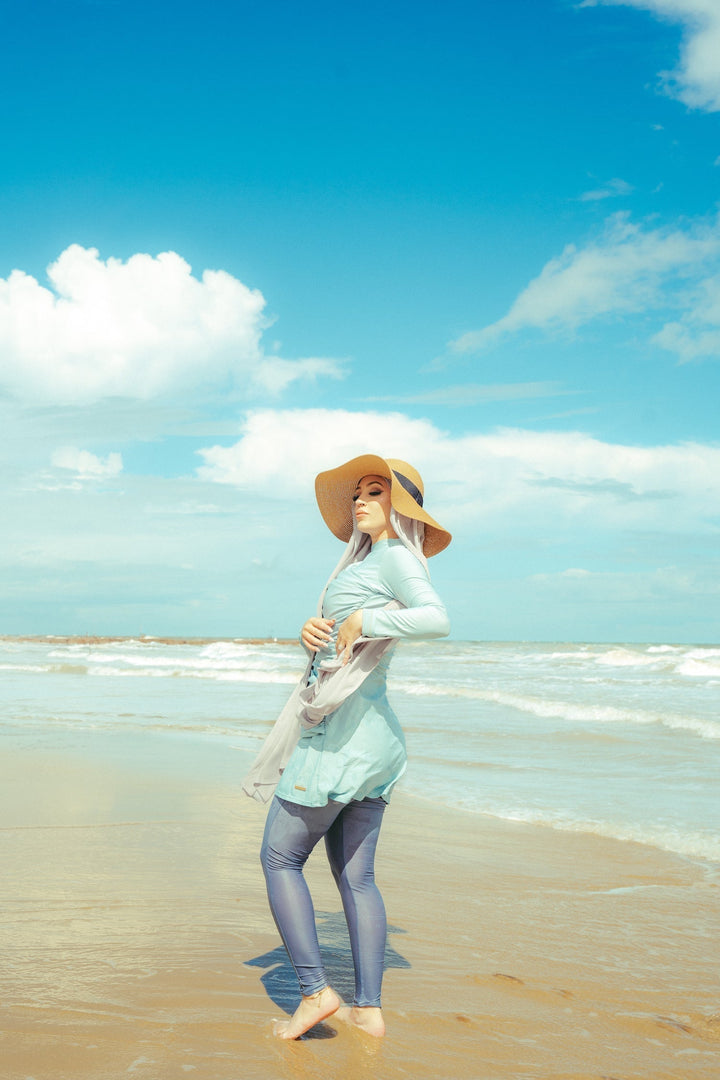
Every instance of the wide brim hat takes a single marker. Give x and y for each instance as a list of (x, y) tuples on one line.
[(335, 488)]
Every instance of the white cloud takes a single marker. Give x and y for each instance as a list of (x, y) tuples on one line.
[(681, 339), (518, 502), (476, 394), (74, 470), (626, 270), (665, 584), (696, 81), (697, 333), (275, 374), (136, 329), (85, 465), (281, 451), (473, 479), (610, 190)]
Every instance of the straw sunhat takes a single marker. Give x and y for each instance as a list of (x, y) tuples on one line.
[(335, 488)]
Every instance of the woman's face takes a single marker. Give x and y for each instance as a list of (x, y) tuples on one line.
[(371, 508)]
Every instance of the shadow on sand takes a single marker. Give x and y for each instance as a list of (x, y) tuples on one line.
[(280, 981)]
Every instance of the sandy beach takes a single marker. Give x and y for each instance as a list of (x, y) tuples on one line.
[(137, 942)]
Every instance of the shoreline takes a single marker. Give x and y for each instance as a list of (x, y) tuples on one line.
[(708, 866), (145, 639), (573, 724), (189, 639), (139, 939)]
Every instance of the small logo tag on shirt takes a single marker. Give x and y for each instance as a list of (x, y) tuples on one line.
[(299, 787)]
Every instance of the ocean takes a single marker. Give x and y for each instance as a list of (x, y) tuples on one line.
[(619, 740)]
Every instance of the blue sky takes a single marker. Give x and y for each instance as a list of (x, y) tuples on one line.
[(241, 243)]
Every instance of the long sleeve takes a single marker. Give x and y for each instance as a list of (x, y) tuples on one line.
[(423, 614)]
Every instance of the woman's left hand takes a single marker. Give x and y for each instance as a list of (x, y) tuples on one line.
[(349, 632)]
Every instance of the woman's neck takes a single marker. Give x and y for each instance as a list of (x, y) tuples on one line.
[(386, 534)]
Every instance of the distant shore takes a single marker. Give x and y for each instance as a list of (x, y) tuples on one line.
[(188, 639), (146, 639)]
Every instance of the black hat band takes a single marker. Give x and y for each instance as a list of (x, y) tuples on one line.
[(409, 487)]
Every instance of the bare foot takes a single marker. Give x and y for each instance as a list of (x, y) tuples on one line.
[(368, 1018), (309, 1012)]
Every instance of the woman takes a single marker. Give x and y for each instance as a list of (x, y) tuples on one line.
[(339, 777)]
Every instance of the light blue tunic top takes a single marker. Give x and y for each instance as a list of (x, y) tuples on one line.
[(358, 751)]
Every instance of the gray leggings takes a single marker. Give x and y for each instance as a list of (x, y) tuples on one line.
[(351, 834)]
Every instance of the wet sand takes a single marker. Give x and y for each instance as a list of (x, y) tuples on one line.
[(136, 939)]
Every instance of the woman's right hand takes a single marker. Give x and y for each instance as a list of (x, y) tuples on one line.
[(316, 633)]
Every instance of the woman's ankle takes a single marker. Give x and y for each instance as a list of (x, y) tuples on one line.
[(369, 1018), (313, 1008)]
